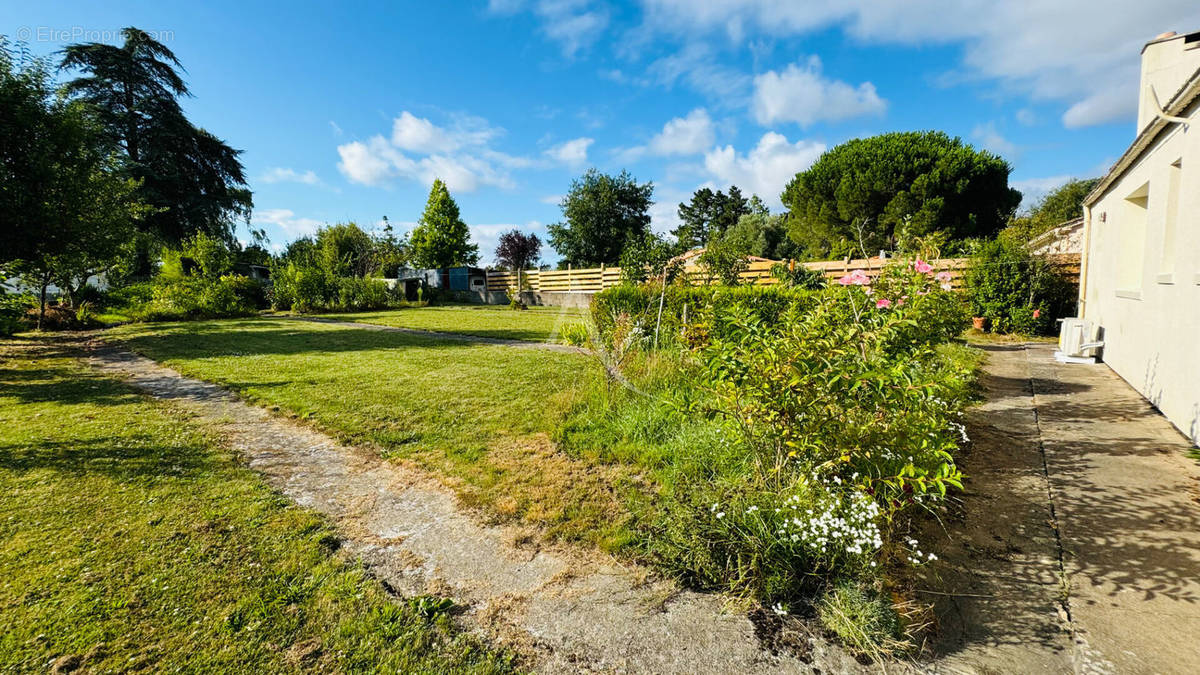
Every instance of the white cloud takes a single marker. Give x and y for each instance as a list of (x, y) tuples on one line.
[(696, 65), (457, 153), (766, 169), (1098, 108), (1084, 53), (572, 153), (369, 163), (684, 135), (680, 137), (337, 131), (552, 199), (801, 94), (574, 24), (664, 212), (1033, 189), (286, 220), (284, 175), (1027, 117), (419, 135), (991, 139)]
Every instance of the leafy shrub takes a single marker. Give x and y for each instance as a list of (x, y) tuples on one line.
[(791, 438), (357, 293), (685, 307), (1016, 291), (129, 296), (307, 288), (12, 308), (200, 298), (797, 275), (85, 313), (722, 262)]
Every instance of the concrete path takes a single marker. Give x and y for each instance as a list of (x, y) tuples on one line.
[(569, 611), (1076, 547)]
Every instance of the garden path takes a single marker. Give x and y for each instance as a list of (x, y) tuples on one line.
[(567, 610), (1077, 545)]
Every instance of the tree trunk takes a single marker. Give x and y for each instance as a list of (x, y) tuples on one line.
[(42, 296)]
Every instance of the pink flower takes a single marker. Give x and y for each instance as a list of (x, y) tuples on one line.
[(944, 276), (1037, 313), (882, 302), (922, 266), (855, 278), (946, 286)]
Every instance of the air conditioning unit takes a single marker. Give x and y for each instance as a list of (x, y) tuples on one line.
[(1078, 341)]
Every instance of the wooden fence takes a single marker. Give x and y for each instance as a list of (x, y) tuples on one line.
[(595, 279)]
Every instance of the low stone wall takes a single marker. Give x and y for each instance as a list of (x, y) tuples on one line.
[(531, 298)]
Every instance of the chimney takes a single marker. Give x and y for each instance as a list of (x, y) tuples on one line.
[(1168, 62)]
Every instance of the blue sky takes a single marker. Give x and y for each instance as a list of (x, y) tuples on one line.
[(347, 112)]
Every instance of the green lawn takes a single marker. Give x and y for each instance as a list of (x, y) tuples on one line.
[(538, 324), (130, 541), (477, 415)]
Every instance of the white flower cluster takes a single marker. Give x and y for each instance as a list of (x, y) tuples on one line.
[(916, 557), (849, 525), (962, 431)]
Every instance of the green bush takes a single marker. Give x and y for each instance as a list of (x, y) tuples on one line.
[(307, 288), (788, 443), (357, 293), (201, 298), (1017, 292), (698, 303), (12, 308)]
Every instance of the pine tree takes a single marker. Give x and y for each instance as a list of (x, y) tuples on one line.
[(441, 238), (194, 180)]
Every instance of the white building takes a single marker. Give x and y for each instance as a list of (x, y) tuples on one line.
[(1140, 277)]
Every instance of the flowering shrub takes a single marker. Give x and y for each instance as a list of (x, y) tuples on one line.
[(787, 443), (847, 416)]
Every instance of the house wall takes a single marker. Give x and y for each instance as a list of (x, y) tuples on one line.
[(1167, 63), (1143, 274)]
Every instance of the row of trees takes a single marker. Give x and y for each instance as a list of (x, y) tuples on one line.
[(858, 198)]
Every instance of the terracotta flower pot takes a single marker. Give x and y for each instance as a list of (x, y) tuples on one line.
[(977, 322)]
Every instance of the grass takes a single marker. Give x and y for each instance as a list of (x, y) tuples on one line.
[(130, 541), (537, 324), (477, 415)]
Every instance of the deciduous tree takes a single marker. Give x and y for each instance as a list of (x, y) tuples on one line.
[(518, 251), (602, 213)]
